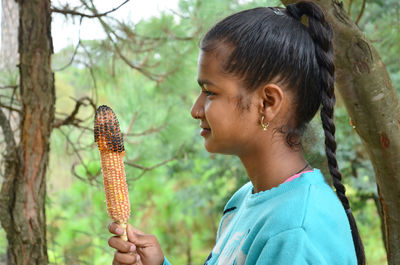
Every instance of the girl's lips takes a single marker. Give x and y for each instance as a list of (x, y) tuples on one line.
[(205, 131)]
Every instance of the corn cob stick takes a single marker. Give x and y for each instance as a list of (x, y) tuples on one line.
[(108, 137)]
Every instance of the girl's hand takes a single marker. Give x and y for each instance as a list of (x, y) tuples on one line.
[(141, 249)]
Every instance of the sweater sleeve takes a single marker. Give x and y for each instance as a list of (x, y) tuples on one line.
[(290, 247), (166, 262)]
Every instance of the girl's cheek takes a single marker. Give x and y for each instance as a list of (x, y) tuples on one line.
[(207, 106)]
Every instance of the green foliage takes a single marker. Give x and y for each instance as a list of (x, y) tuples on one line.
[(369, 225), (3, 245)]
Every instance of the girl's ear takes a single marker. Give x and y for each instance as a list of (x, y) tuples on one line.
[(271, 100)]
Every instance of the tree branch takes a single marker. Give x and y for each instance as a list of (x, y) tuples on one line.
[(75, 50), (110, 33), (148, 131), (151, 76), (178, 14), (71, 119), (349, 8), (71, 60), (7, 132), (131, 123), (10, 108), (66, 11), (91, 71), (9, 86), (361, 12), (146, 169), (81, 161)]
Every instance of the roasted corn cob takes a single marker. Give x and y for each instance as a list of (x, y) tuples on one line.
[(108, 137)]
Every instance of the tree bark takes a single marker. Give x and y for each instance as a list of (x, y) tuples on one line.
[(9, 35), (22, 197), (374, 108)]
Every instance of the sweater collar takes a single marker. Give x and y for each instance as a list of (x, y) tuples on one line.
[(307, 178)]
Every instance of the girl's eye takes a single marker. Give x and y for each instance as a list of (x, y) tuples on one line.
[(205, 90), (208, 93)]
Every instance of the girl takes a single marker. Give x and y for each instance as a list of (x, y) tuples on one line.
[(263, 74)]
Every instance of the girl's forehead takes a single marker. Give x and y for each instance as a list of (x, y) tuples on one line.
[(219, 50), (208, 64), (213, 61), (211, 72)]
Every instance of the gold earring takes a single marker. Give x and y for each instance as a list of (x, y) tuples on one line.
[(264, 126)]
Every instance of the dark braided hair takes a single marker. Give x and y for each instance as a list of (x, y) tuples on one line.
[(322, 34), (272, 42)]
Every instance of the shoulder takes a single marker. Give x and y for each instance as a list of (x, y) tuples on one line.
[(326, 224), (305, 200), (238, 197), (309, 210), (296, 246)]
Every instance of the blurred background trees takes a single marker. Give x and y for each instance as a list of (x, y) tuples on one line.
[(9, 34), (146, 71)]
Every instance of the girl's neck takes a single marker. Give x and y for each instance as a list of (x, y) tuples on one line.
[(269, 167)]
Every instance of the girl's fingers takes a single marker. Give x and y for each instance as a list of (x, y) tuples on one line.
[(121, 245), (138, 239), (115, 229), (126, 258), (132, 229)]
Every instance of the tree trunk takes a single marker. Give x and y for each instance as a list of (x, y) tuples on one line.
[(22, 198), (374, 108), (9, 35)]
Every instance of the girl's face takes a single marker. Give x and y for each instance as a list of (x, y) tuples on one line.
[(227, 113)]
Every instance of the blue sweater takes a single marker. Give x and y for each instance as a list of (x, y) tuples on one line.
[(298, 222)]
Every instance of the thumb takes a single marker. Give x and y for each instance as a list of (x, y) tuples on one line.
[(140, 239), (131, 229)]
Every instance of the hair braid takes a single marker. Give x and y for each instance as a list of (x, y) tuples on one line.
[(322, 35)]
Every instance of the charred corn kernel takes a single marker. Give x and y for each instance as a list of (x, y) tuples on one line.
[(108, 137)]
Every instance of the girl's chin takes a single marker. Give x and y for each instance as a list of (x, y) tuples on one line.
[(214, 149), (209, 146)]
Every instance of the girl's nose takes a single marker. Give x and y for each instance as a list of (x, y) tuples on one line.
[(196, 110)]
